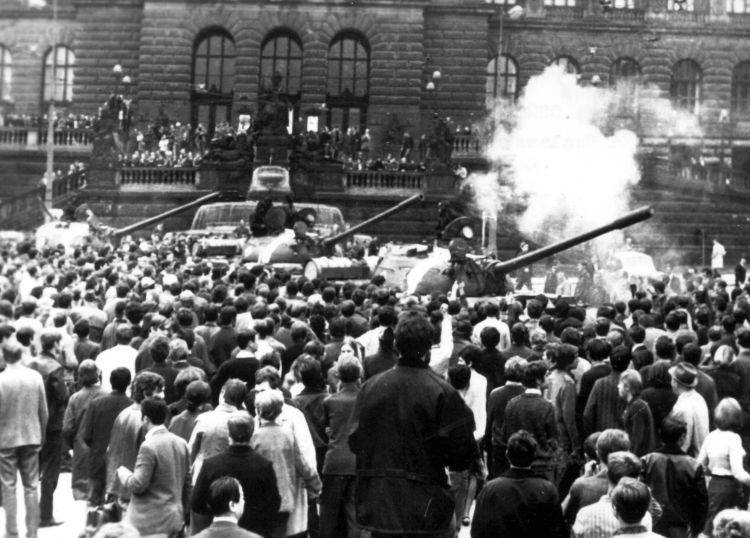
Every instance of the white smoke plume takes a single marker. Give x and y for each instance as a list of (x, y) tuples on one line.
[(560, 145)]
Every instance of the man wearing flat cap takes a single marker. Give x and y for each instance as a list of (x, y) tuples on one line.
[(690, 407)]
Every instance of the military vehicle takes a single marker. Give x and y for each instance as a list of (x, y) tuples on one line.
[(481, 276)]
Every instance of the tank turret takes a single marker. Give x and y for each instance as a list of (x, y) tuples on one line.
[(484, 276)]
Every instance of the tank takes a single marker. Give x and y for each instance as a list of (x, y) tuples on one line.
[(482, 276)]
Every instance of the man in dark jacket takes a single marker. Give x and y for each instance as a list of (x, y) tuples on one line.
[(224, 341), (408, 426), (519, 504), (677, 483), (50, 456), (97, 429), (254, 473)]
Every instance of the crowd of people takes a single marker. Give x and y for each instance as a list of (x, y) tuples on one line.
[(70, 121), (225, 400)]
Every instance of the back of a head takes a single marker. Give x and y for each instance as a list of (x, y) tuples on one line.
[(268, 374), (349, 369), (234, 392), (240, 429), (414, 335), (12, 352), (311, 373), (159, 349), (521, 449), (631, 500), (637, 334), (665, 348), (728, 415), (571, 336), (672, 429), (459, 376), (155, 409), (610, 441), (622, 464), (197, 393), (596, 349), (123, 334), (519, 333), (619, 358), (227, 315), (223, 491), (490, 337), (88, 373), (515, 368), (692, 354), (534, 309), (535, 372), (601, 326), (269, 404)]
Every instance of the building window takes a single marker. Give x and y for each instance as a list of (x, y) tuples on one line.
[(502, 79), (738, 6), (686, 85), (6, 73), (58, 75), (212, 88), (741, 90), (560, 3), (281, 54), (623, 4), (569, 64), (625, 75), (681, 5), (348, 81)]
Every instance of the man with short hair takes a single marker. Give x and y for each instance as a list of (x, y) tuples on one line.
[(398, 433), (224, 341), (519, 503), (119, 356), (160, 484), (337, 507), (256, 477), (630, 502), (587, 490), (227, 503), (690, 407), (97, 427), (83, 347), (159, 350), (492, 311), (88, 378), (210, 435), (533, 413), (677, 482), (50, 457), (496, 405), (597, 520), (604, 408), (23, 422)]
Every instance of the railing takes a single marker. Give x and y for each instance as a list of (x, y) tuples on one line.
[(145, 177), (13, 136), (67, 137), (68, 184), (626, 15), (468, 145), (686, 17), (720, 176), (564, 12), (385, 179), (36, 138), (739, 19)]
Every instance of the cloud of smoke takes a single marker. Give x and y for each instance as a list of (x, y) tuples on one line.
[(563, 146)]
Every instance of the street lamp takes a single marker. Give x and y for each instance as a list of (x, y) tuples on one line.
[(432, 88)]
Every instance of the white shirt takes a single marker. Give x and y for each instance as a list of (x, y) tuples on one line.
[(116, 357), (440, 355), (371, 341), (476, 399), (501, 326), (691, 407)]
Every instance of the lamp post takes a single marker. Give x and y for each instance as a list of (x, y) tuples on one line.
[(433, 88), (50, 173)]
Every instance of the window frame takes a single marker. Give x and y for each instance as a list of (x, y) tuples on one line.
[(739, 81), (500, 80), (347, 99), (271, 38), (677, 87), (6, 74), (68, 70), (214, 103)]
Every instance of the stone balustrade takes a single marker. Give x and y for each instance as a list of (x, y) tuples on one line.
[(35, 138), (139, 177)]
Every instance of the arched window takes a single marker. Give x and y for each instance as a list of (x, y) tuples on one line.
[(681, 5), (58, 74), (625, 75), (502, 79), (212, 87), (6, 73), (569, 64), (348, 93), (686, 85), (281, 54), (741, 90)]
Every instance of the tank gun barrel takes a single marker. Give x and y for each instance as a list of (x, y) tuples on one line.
[(329, 242), (634, 217), (162, 216)]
